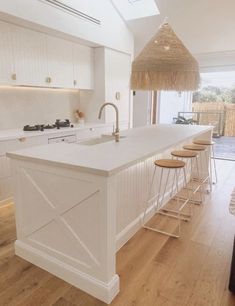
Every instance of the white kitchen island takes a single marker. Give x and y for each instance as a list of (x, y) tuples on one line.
[(76, 205)]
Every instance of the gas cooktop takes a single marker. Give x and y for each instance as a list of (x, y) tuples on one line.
[(41, 127)]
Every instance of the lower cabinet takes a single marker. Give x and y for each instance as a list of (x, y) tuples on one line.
[(5, 179), (6, 191)]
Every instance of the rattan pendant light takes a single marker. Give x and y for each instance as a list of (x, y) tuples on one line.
[(165, 64)]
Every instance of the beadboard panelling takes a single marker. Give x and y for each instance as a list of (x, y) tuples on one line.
[(30, 56), (6, 54), (133, 185)]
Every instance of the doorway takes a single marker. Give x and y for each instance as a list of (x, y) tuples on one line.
[(214, 104)]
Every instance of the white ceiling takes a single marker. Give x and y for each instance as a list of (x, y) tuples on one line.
[(203, 25)]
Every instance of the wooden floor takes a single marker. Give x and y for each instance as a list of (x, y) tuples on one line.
[(154, 270)]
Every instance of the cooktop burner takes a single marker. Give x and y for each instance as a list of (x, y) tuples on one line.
[(49, 126), (41, 127), (62, 123), (36, 127)]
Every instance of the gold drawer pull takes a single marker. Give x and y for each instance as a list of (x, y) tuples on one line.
[(13, 76), (22, 139), (48, 80)]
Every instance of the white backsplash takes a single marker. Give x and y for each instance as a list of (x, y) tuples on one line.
[(21, 106)]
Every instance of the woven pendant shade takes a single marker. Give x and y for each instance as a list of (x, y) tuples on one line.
[(165, 64)]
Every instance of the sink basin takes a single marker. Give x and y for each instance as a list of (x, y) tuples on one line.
[(99, 140)]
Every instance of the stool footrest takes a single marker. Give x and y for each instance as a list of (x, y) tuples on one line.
[(181, 216), (161, 232), (201, 180)]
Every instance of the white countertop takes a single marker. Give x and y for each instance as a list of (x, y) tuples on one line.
[(110, 157), (19, 133)]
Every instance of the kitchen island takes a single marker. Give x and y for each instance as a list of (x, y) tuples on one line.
[(77, 204)]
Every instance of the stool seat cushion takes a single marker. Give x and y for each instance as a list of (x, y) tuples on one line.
[(184, 153), (194, 147), (204, 142), (169, 163)]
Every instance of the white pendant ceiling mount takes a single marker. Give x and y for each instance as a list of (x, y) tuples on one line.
[(165, 64)]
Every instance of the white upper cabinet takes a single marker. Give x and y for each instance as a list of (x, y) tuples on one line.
[(30, 57), (7, 69), (60, 62), (83, 58)]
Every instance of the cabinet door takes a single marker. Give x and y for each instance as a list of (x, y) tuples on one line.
[(30, 57), (5, 170), (5, 179), (117, 80), (60, 62), (7, 69), (83, 58), (6, 190)]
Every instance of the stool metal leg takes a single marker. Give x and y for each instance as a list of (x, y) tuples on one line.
[(200, 186), (163, 196), (159, 204), (215, 170), (208, 179), (159, 189), (177, 188)]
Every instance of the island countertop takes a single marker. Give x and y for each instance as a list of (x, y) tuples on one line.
[(110, 157)]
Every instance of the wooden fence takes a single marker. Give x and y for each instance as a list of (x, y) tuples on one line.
[(219, 114), (229, 128)]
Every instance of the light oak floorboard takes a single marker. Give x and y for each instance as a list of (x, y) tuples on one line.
[(154, 270)]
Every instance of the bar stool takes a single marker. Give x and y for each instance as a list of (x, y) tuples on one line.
[(191, 159), (200, 149), (210, 146), (170, 165)]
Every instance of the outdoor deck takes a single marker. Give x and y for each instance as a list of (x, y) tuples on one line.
[(225, 147)]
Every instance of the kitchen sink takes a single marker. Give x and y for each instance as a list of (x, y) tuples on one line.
[(99, 140)]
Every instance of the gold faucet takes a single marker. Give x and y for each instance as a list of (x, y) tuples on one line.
[(116, 132)]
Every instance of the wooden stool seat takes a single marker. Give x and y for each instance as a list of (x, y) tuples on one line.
[(169, 163), (184, 153), (195, 147), (204, 142)]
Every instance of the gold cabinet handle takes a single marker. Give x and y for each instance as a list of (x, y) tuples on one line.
[(22, 139), (48, 80), (13, 76)]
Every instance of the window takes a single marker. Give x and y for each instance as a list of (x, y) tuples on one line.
[(134, 9)]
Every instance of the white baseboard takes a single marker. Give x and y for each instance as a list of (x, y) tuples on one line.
[(102, 291)]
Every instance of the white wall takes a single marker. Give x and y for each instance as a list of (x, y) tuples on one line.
[(141, 108), (112, 32), (21, 106), (170, 103)]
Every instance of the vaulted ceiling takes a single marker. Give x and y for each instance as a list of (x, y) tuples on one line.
[(203, 25)]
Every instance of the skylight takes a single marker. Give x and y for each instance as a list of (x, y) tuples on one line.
[(134, 9)]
